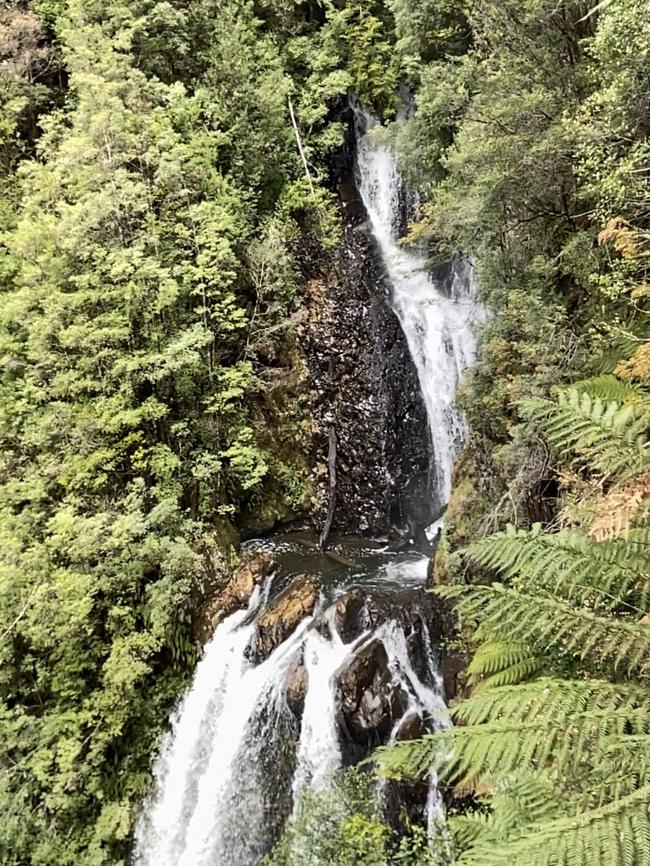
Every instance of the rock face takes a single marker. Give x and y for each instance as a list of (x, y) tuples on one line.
[(420, 615), (233, 596), (365, 385), (295, 689), (283, 616), (353, 615), (369, 701)]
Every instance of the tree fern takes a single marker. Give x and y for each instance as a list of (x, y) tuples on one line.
[(555, 738), (519, 799), (611, 573), (500, 663), (545, 622), (618, 833), (472, 754), (607, 437), (550, 699)]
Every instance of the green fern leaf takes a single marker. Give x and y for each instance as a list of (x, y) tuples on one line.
[(601, 574), (618, 833), (607, 438), (501, 663), (547, 622), (550, 699), (473, 754)]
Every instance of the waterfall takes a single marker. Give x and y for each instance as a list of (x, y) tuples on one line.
[(211, 800), (239, 754), (438, 317), (319, 751), (209, 803)]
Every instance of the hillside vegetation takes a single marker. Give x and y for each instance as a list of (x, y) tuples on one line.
[(155, 217)]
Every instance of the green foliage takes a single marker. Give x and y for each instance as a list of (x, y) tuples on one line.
[(149, 382), (557, 728), (341, 824), (503, 662), (526, 152), (154, 219), (605, 575), (616, 833), (609, 437), (335, 826)]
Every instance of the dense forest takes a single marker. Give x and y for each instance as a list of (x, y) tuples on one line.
[(169, 185)]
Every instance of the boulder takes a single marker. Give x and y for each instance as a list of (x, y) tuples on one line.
[(295, 687), (283, 616), (412, 727), (353, 615), (369, 701), (453, 669), (234, 595)]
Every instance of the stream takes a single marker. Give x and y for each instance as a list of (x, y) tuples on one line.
[(361, 667)]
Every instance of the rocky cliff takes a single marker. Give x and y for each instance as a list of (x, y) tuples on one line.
[(364, 386)]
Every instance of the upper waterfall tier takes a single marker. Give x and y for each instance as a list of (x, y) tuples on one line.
[(438, 316)]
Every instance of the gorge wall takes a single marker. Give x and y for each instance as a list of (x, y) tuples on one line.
[(364, 384)]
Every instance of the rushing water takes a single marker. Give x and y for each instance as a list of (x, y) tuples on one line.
[(212, 799), (438, 317), (236, 758)]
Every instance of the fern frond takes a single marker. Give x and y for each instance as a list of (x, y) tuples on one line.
[(523, 798), (622, 767), (519, 799), (616, 834), (577, 567), (549, 699), (608, 438), (622, 346), (473, 827), (471, 754), (617, 511), (502, 663), (610, 389), (546, 622)]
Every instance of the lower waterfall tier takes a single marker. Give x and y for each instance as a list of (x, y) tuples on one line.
[(307, 677)]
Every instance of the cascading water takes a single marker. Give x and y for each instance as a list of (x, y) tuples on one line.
[(207, 761), (438, 319), (239, 754), (212, 801)]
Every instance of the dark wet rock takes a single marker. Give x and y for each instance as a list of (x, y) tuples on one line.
[(295, 688), (452, 669), (353, 615), (411, 727), (369, 701), (418, 613), (283, 616), (365, 385), (407, 799), (422, 617), (232, 596)]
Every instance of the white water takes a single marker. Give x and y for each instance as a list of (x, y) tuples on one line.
[(206, 781), (319, 750), (209, 805), (438, 320)]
